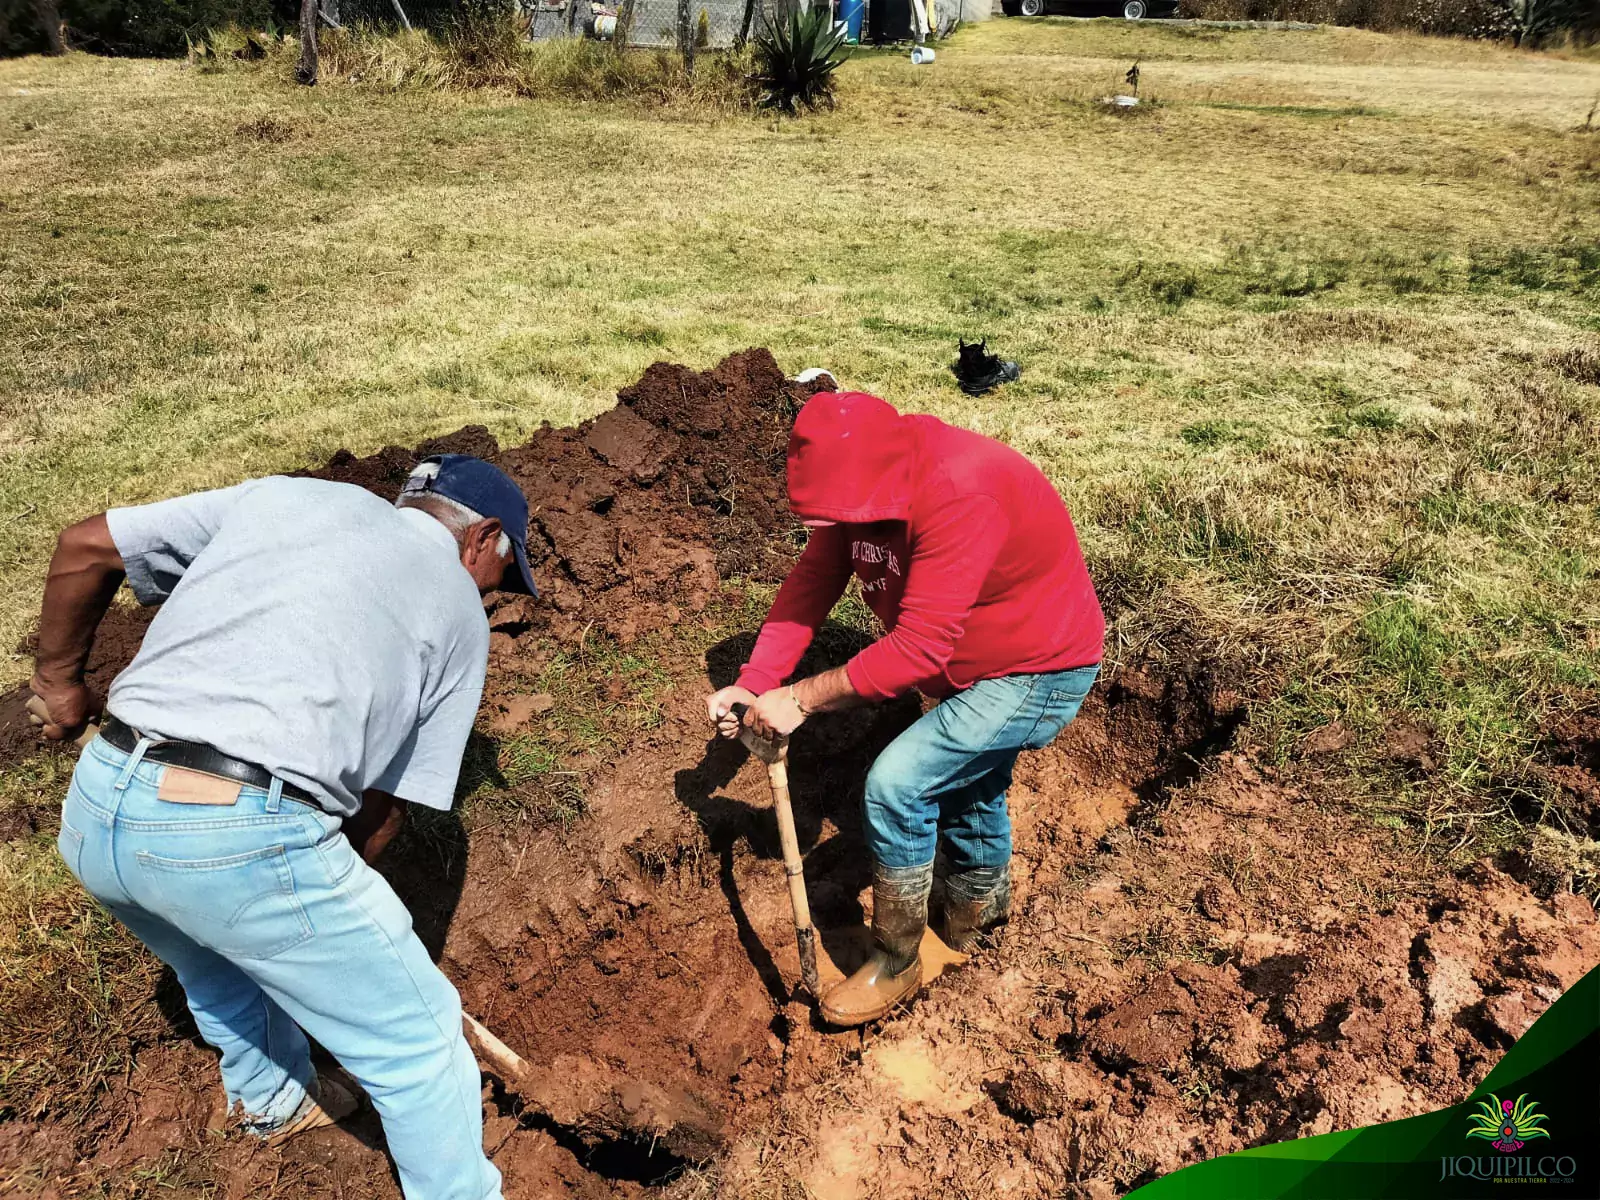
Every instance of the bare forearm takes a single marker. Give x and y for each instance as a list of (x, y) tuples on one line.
[(371, 829), (85, 574), (780, 711), (829, 692)]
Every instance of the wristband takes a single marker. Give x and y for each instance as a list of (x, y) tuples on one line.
[(804, 711)]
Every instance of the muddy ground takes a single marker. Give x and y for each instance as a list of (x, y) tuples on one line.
[(1204, 956)]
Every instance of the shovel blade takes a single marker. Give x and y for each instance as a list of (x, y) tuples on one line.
[(937, 958), (768, 751)]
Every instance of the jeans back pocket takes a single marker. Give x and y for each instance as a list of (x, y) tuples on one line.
[(241, 905)]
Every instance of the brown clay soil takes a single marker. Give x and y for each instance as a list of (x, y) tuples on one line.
[(1203, 955)]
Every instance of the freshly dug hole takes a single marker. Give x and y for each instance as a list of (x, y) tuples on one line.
[(655, 933)]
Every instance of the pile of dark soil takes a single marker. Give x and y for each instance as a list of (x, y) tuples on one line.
[(636, 513), (117, 643)]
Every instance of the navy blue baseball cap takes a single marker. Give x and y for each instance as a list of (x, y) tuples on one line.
[(488, 491)]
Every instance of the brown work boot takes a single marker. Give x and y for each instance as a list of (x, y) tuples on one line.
[(331, 1103), (893, 972), (976, 903)]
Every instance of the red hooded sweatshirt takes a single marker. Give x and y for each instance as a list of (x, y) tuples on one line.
[(964, 551)]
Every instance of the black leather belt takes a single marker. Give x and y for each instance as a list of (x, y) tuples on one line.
[(197, 757)]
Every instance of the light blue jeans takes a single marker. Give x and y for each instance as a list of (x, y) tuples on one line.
[(274, 925), (947, 775)]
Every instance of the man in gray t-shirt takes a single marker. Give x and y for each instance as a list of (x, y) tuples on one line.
[(362, 639), (316, 665)]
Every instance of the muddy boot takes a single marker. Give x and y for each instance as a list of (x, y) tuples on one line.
[(894, 971), (329, 1102), (976, 902)]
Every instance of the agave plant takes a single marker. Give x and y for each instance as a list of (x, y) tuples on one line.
[(1508, 1125), (796, 59)]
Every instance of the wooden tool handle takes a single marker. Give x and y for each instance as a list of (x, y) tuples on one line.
[(39, 715), (508, 1064), (805, 936)]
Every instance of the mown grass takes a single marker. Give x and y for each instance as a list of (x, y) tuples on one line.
[(1310, 347)]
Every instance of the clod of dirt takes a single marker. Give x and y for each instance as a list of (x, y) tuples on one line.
[(1411, 743), (520, 710), (1571, 745), (1191, 1010), (1025, 1095), (1329, 739), (117, 642)]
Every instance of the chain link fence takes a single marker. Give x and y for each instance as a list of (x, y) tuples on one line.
[(663, 24), (659, 24), (711, 24), (718, 24)]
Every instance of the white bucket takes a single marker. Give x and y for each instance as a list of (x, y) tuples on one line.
[(921, 55), (605, 28)]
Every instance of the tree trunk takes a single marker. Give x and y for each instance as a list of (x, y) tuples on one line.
[(685, 35), (619, 39), (50, 21), (306, 71)]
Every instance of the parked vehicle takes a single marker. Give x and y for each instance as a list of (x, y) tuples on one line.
[(1128, 10)]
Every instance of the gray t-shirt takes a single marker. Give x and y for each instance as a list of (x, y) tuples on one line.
[(310, 628)]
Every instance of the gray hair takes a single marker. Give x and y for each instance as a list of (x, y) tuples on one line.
[(452, 514)]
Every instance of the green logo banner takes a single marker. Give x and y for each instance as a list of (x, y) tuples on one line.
[(1531, 1129)]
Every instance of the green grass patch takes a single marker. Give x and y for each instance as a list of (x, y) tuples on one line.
[(1310, 112), (1215, 432)]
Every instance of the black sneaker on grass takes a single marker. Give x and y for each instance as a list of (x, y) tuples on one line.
[(978, 371)]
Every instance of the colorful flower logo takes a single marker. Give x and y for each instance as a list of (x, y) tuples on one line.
[(1507, 1125)]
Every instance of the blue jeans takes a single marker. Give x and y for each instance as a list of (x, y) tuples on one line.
[(947, 775), (274, 925)]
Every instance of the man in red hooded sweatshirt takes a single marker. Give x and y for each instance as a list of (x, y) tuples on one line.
[(967, 555)]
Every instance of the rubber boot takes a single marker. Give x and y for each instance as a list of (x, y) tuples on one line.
[(893, 972), (976, 902)]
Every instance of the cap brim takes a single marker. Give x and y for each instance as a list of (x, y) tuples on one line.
[(526, 575)]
